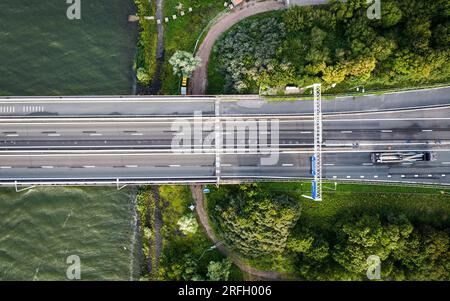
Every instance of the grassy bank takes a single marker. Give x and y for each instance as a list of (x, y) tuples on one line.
[(182, 33), (145, 59), (44, 53), (185, 255)]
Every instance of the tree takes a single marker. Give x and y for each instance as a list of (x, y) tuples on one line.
[(143, 76), (219, 270), (256, 222), (418, 33), (369, 236), (184, 63), (391, 14), (442, 35), (188, 224)]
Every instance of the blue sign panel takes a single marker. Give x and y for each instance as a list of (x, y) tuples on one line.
[(314, 190), (206, 190), (313, 165)]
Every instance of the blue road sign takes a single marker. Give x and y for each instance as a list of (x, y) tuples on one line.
[(314, 190), (313, 165)]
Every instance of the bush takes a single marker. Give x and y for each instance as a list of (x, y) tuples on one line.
[(337, 44)]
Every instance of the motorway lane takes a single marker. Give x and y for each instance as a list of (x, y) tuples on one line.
[(352, 165), (155, 134), (252, 105), (108, 106), (414, 130), (344, 166), (105, 166)]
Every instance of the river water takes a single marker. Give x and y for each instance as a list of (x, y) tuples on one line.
[(44, 53)]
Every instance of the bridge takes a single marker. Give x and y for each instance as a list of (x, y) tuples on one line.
[(122, 140)]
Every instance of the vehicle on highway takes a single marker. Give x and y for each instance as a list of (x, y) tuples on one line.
[(184, 82), (400, 157)]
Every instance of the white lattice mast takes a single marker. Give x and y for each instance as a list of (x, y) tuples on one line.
[(317, 184), (316, 159)]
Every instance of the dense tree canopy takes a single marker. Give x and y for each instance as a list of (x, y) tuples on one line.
[(256, 222), (338, 44), (266, 229)]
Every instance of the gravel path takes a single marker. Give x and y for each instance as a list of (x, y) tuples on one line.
[(158, 226), (199, 79)]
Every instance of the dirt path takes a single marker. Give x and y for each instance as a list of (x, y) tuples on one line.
[(199, 79), (156, 83), (197, 194), (158, 226)]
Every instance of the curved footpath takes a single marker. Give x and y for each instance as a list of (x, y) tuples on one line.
[(197, 194), (199, 79)]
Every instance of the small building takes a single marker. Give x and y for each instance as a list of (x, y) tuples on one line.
[(292, 90), (237, 2)]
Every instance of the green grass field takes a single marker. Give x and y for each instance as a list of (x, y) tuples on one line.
[(44, 53), (182, 34), (41, 227), (427, 205)]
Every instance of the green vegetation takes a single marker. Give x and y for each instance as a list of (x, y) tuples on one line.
[(337, 45), (407, 227), (186, 250), (145, 60), (44, 53), (184, 63), (182, 33), (254, 222)]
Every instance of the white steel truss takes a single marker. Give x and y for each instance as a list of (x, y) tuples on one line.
[(317, 184)]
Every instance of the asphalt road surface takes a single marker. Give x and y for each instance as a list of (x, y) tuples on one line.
[(135, 150)]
